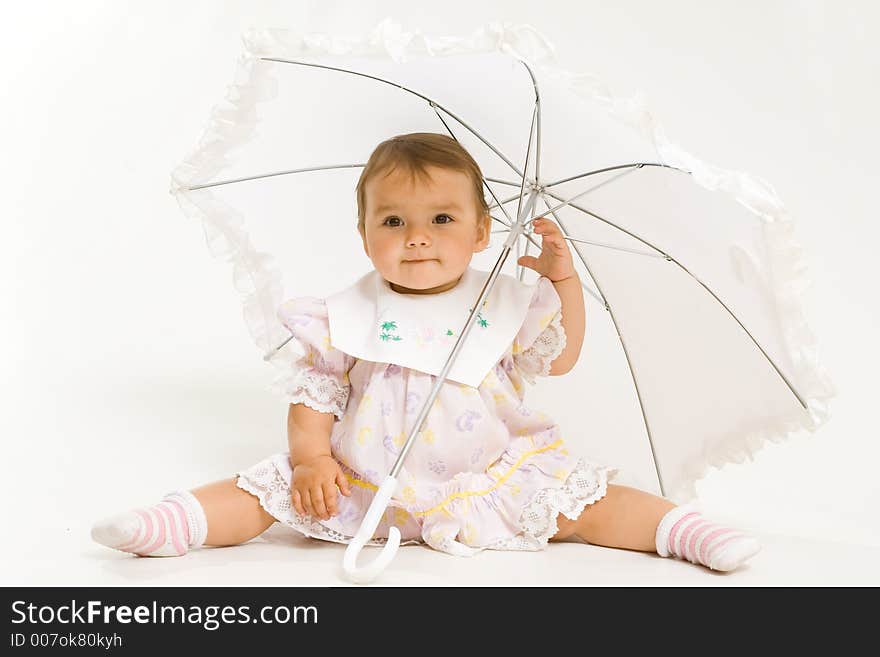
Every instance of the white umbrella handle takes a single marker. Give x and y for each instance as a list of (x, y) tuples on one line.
[(365, 533)]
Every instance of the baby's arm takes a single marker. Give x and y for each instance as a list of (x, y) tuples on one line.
[(316, 474), (308, 433), (572, 297), (556, 265)]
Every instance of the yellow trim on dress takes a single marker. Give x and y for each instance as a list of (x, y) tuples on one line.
[(498, 482), (465, 494), (361, 483)]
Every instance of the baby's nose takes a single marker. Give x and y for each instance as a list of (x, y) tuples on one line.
[(418, 240)]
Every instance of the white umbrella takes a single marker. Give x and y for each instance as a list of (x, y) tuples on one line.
[(698, 352)]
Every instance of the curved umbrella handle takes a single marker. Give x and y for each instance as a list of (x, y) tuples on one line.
[(365, 533)]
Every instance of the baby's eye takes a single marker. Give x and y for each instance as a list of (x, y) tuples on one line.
[(397, 219)]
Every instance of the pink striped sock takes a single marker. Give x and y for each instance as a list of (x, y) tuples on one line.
[(167, 529), (685, 533)]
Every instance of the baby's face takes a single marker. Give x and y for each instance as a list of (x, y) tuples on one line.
[(436, 222)]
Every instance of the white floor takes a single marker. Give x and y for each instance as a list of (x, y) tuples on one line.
[(98, 449), (281, 557)]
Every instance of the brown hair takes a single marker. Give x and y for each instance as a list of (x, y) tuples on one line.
[(414, 152)]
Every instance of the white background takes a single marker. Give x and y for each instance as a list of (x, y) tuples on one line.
[(127, 370)]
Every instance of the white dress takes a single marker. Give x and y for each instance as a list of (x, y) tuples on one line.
[(486, 472)]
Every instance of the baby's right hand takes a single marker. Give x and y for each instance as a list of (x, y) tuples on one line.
[(314, 487)]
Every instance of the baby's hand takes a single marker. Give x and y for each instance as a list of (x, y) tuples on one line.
[(314, 487), (555, 260)]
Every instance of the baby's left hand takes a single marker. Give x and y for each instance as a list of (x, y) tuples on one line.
[(555, 260)]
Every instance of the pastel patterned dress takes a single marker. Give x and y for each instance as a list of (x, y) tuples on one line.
[(486, 472)]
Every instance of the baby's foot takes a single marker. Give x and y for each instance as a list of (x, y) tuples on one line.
[(685, 533), (167, 529)]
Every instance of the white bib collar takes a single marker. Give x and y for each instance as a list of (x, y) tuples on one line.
[(370, 321)]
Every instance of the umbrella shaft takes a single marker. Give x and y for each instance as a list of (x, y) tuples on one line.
[(487, 287)]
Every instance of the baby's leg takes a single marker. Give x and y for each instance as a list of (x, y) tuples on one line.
[(625, 518), (233, 515), (633, 519), (215, 514)]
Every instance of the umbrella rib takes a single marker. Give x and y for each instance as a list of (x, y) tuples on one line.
[(268, 175), (506, 228), (629, 364), (619, 166), (613, 246), (503, 182), (586, 288), (602, 244), (477, 135), (633, 166), (504, 202), (536, 123), (430, 101), (538, 113), (522, 186), (610, 223), (452, 134), (587, 191), (630, 167), (530, 207), (706, 287), (509, 219)]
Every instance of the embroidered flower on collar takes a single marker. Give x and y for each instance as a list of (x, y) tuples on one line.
[(387, 328), (480, 320), (388, 331)]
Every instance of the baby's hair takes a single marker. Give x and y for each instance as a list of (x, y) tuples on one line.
[(415, 152)]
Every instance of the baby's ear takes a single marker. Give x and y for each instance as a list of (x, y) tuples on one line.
[(364, 241), (484, 233)]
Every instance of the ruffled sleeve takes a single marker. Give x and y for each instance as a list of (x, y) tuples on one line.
[(541, 338), (312, 372)]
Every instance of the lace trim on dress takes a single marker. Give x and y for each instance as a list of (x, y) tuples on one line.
[(587, 483), (536, 360), (315, 389), (271, 488)]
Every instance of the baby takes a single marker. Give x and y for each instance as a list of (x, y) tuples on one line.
[(485, 472)]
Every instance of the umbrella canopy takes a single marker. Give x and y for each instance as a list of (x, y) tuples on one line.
[(696, 351)]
